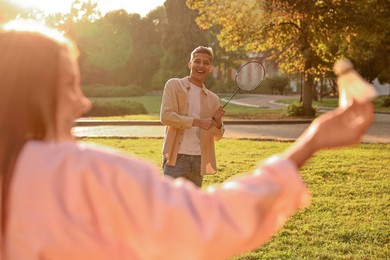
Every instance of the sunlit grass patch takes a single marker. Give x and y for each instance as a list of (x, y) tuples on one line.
[(349, 214)]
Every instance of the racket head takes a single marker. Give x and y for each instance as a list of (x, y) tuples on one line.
[(250, 75)]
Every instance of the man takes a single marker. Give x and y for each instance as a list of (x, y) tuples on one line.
[(193, 118)]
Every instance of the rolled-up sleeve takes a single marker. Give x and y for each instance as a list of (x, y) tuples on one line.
[(218, 132)]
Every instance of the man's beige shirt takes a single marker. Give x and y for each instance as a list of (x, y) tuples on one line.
[(174, 115)]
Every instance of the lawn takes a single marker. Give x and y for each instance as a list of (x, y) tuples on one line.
[(152, 105), (349, 214), (333, 103)]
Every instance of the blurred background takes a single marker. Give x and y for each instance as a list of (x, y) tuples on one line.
[(131, 48)]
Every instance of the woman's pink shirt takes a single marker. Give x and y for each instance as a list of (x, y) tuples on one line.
[(72, 201)]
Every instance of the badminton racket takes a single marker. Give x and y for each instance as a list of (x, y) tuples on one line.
[(248, 77)]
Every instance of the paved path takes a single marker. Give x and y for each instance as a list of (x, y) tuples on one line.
[(262, 101), (378, 133)]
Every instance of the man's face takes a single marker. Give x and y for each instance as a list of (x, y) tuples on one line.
[(200, 66)]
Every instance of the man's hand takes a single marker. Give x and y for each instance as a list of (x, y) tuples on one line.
[(205, 124), (218, 114)]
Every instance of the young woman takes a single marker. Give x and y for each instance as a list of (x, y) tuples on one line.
[(64, 200)]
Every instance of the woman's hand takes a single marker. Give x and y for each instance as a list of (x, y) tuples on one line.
[(340, 127)]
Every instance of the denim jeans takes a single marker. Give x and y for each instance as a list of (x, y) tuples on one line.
[(187, 166)]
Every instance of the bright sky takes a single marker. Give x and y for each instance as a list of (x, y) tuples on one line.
[(141, 7)]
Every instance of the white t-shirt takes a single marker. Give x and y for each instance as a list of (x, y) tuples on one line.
[(191, 140)]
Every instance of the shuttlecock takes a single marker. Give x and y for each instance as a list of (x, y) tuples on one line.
[(351, 85)]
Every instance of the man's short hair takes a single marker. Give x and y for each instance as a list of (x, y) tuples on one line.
[(203, 49)]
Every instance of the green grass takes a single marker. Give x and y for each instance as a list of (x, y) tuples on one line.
[(349, 214), (152, 105), (333, 103), (326, 102)]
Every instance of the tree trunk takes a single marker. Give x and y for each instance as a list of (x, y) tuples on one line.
[(308, 84)]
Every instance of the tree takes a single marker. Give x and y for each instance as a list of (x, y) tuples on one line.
[(117, 49), (82, 12), (180, 36), (9, 11), (106, 49), (303, 36), (370, 46)]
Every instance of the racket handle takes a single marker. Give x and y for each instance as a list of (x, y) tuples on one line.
[(238, 89)]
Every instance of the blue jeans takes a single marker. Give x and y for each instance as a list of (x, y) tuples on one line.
[(187, 166)]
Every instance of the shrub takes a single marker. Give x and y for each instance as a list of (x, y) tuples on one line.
[(98, 90), (265, 87), (296, 109), (386, 102), (222, 87), (116, 108)]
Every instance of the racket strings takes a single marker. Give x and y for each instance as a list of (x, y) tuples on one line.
[(250, 76)]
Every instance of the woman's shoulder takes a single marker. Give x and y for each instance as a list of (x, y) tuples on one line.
[(87, 156)]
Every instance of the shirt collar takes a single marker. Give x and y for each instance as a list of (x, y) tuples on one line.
[(188, 85)]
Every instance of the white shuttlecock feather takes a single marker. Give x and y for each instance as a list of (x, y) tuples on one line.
[(351, 85)]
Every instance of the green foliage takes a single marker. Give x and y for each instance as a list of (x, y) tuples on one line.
[(146, 35), (117, 49), (333, 103), (279, 83), (276, 84), (106, 49), (386, 102), (343, 221), (270, 85), (98, 90), (106, 46), (168, 61), (265, 87), (296, 108), (302, 36), (223, 87), (115, 108), (181, 33), (9, 10), (152, 103), (84, 11), (180, 36)]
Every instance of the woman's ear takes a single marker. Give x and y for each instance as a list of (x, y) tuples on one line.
[(189, 65)]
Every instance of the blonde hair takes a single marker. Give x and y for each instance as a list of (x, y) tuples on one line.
[(29, 71)]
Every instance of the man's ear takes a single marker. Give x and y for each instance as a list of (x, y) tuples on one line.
[(189, 65), (211, 69)]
